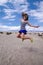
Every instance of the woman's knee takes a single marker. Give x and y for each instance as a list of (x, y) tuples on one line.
[(18, 35), (22, 35)]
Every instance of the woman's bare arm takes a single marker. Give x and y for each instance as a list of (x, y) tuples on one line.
[(32, 25)]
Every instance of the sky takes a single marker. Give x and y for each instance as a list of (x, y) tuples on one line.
[(11, 11)]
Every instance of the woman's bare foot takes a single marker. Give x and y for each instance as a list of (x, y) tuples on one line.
[(22, 38), (31, 39)]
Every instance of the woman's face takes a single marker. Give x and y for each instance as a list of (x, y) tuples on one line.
[(24, 17)]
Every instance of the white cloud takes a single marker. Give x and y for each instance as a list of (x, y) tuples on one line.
[(9, 10), (9, 14), (39, 29), (20, 8), (38, 13), (34, 29), (12, 19), (23, 8), (10, 28), (19, 1), (36, 3), (17, 7), (3, 1), (9, 17)]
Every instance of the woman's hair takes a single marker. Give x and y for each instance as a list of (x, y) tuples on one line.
[(25, 15)]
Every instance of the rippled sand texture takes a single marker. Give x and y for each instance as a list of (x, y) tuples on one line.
[(15, 52)]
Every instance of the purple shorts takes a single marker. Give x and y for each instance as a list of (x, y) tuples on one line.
[(23, 31)]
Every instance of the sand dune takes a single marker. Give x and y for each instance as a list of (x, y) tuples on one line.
[(15, 52)]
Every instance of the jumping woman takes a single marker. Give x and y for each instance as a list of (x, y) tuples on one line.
[(22, 33)]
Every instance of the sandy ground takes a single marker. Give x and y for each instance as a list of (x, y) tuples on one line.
[(15, 52)]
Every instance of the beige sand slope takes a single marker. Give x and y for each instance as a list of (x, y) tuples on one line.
[(15, 52)]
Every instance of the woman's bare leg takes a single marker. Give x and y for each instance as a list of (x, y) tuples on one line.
[(30, 38), (26, 37), (18, 35), (23, 36)]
